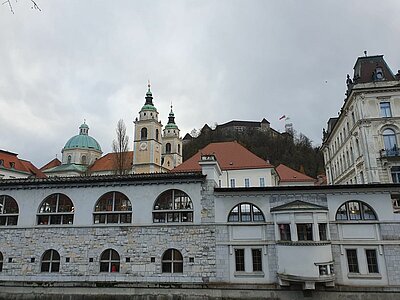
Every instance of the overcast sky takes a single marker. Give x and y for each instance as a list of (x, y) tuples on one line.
[(215, 61)]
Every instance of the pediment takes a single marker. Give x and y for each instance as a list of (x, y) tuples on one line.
[(298, 205)]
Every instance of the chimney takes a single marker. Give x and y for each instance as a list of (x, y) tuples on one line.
[(210, 167)]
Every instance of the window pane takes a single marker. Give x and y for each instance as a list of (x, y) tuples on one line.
[(167, 255), (114, 267), (159, 217), (257, 215), (322, 232), (178, 267), (99, 219), (257, 259), (67, 219), (55, 219), (166, 267), (64, 204), (105, 255), (10, 206), (55, 267), (368, 213), (372, 261), (45, 267), (47, 255), (104, 266), (239, 259), (354, 210), (284, 230), (245, 212), (114, 255), (352, 260), (125, 218), (187, 217), (234, 215), (112, 218), (3, 221), (43, 220), (342, 213), (304, 232)]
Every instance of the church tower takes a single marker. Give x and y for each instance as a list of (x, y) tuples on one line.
[(147, 145), (172, 144)]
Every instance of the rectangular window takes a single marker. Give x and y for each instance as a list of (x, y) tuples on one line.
[(395, 171), (352, 260), (257, 260), (232, 183), (239, 260), (395, 202), (372, 261), (305, 232), (247, 182), (262, 182), (284, 231), (322, 232), (386, 112)]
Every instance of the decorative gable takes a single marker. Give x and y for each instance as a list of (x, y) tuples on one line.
[(298, 205)]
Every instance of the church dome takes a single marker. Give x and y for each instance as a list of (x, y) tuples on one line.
[(82, 140)]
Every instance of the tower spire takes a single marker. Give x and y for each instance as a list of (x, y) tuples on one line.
[(171, 117), (149, 95)]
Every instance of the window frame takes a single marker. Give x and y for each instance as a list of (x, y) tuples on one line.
[(174, 199), (324, 231), (353, 217), (353, 265), (305, 231), (170, 265), (56, 217), (240, 214), (1, 261), (256, 258), (54, 264), (247, 182), (112, 216), (143, 133), (385, 109), (109, 262), (283, 232), (372, 262), (5, 217), (240, 259)]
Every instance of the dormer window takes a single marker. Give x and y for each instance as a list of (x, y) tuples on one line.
[(379, 74), (12, 165), (1, 162)]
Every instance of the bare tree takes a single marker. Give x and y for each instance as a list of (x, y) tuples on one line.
[(120, 149), (34, 5)]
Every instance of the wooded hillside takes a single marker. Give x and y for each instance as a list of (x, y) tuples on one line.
[(296, 152)]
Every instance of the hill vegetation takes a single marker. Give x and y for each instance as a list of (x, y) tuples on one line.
[(295, 151)]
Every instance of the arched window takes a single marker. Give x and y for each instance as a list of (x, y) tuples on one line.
[(1, 261), (172, 261), (113, 208), (8, 211), (167, 148), (173, 206), (83, 159), (56, 209), (143, 133), (50, 261), (157, 134), (389, 140), (355, 210), (246, 212), (69, 159), (109, 261)]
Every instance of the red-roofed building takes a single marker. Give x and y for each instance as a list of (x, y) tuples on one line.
[(239, 166), (106, 165), (13, 167), (51, 164), (289, 176)]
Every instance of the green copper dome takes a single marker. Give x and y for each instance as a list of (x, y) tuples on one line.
[(82, 140), (148, 107)]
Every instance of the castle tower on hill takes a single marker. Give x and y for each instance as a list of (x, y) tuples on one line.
[(152, 152)]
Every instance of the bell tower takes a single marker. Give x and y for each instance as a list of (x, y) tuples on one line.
[(172, 144), (147, 144)]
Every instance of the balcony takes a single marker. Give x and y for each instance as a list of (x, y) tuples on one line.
[(390, 153)]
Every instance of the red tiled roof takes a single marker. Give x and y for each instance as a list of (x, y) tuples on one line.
[(51, 164), (230, 156), (32, 169), (107, 162), (19, 165), (289, 175)]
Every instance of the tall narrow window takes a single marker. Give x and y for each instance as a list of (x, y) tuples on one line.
[(56, 209), (1, 262), (233, 184), (322, 232), (395, 171), (389, 141), (284, 232), (157, 134), (113, 207), (83, 159), (172, 261), (69, 159), (372, 261), (179, 149), (247, 182), (262, 182), (109, 261), (50, 261), (304, 232), (386, 112), (8, 211), (143, 133), (352, 260), (167, 148), (239, 260), (257, 260)]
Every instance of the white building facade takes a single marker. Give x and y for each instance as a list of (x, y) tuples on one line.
[(361, 144), (181, 229)]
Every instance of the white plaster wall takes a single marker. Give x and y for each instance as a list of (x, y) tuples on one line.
[(7, 174), (254, 176)]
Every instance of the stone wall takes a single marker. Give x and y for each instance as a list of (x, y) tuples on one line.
[(137, 246)]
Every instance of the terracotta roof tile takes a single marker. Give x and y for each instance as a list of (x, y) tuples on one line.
[(107, 162), (11, 161), (32, 169), (289, 175), (230, 156), (51, 164)]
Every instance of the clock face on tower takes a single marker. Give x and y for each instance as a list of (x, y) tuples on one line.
[(143, 146)]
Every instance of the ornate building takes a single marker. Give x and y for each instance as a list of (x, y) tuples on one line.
[(361, 144)]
